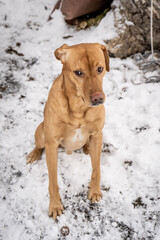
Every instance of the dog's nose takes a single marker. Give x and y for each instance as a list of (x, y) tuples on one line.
[(97, 98)]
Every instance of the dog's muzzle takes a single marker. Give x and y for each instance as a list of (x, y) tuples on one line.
[(97, 98)]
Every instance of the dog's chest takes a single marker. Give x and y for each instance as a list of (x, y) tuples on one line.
[(78, 136), (75, 139)]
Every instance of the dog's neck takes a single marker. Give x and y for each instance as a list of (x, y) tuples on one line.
[(77, 106)]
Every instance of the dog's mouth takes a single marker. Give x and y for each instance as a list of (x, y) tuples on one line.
[(97, 98), (94, 101), (83, 99), (90, 104), (97, 104)]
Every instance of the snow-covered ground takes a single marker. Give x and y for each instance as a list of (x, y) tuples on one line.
[(130, 167)]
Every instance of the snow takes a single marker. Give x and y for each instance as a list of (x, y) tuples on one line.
[(130, 169)]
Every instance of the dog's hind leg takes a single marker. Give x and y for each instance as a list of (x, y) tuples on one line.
[(39, 141)]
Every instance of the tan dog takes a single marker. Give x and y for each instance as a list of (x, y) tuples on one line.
[(74, 115)]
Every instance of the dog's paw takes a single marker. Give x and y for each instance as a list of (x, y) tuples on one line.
[(94, 195), (34, 155), (55, 209)]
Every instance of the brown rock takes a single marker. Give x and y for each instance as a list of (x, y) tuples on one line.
[(134, 37)]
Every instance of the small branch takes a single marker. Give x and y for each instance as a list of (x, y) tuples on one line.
[(10, 50)]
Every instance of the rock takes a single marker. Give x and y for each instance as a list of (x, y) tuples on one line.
[(132, 22)]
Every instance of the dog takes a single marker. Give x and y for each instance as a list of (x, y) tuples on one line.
[(74, 115)]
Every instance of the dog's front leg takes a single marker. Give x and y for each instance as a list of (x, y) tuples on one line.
[(95, 147), (55, 206)]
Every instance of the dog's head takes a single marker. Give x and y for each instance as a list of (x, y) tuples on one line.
[(85, 66)]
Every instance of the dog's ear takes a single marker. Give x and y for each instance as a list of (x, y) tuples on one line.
[(61, 52), (106, 56)]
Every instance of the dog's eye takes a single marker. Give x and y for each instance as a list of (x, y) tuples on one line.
[(78, 73), (100, 69)]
